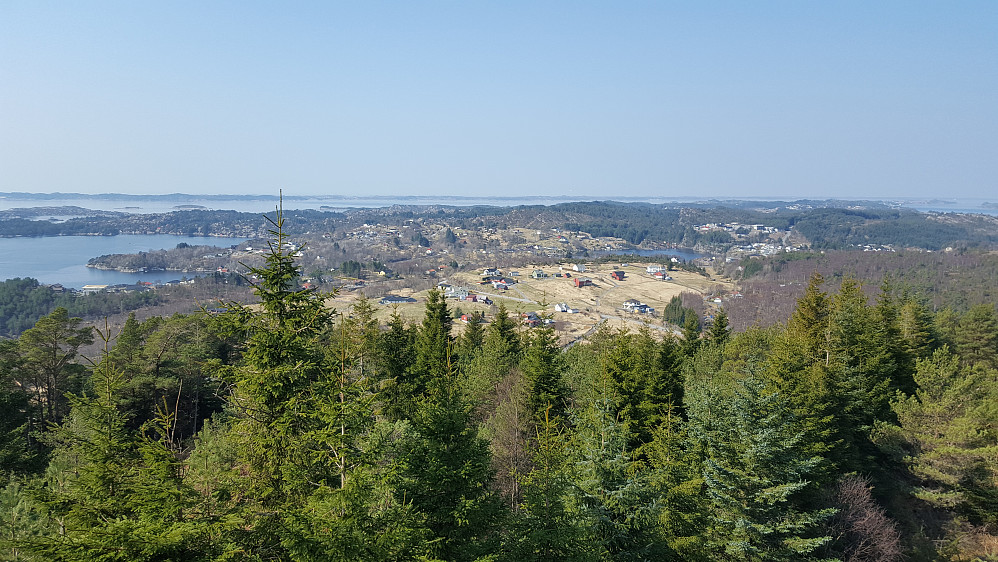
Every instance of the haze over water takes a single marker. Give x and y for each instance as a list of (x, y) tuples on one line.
[(267, 204)]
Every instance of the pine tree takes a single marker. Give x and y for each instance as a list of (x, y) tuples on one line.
[(48, 350), (19, 452), (947, 430)]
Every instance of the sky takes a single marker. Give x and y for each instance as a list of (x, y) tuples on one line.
[(589, 99)]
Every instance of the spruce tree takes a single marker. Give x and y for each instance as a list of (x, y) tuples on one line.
[(859, 383), (718, 332), (808, 325), (916, 330), (396, 354), (447, 474), (691, 334), (545, 528), (113, 494), (432, 343), (503, 328), (614, 497), (756, 466), (977, 336), (542, 368)]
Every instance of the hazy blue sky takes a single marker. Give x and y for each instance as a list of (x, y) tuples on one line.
[(595, 99)]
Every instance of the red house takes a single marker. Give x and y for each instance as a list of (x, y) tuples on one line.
[(618, 275)]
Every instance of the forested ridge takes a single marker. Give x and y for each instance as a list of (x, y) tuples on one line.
[(824, 224), (24, 301), (857, 430)]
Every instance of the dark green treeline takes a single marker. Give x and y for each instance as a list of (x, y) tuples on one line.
[(289, 431)]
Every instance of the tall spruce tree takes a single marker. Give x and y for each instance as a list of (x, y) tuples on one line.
[(503, 328), (859, 383), (977, 336), (756, 466), (691, 330), (542, 368), (613, 497), (545, 528), (446, 474), (312, 478), (433, 343), (719, 331)]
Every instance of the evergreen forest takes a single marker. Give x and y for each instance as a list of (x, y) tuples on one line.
[(860, 429)]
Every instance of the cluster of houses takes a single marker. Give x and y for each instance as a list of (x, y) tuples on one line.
[(497, 279), (633, 305), (532, 320), (735, 227), (462, 294), (123, 287), (761, 249)]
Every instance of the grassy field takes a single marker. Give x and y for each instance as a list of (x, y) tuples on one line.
[(601, 302)]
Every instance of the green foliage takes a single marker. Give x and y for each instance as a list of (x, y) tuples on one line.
[(446, 475), (433, 344), (676, 313), (47, 351), (977, 336), (718, 332), (283, 431), (542, 368), (396, 354), (110, 493), (948, 434), (756, 466), (547, 529), (615, 501), (24, 301)]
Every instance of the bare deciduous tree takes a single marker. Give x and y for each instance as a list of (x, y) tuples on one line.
[(862, 528)]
